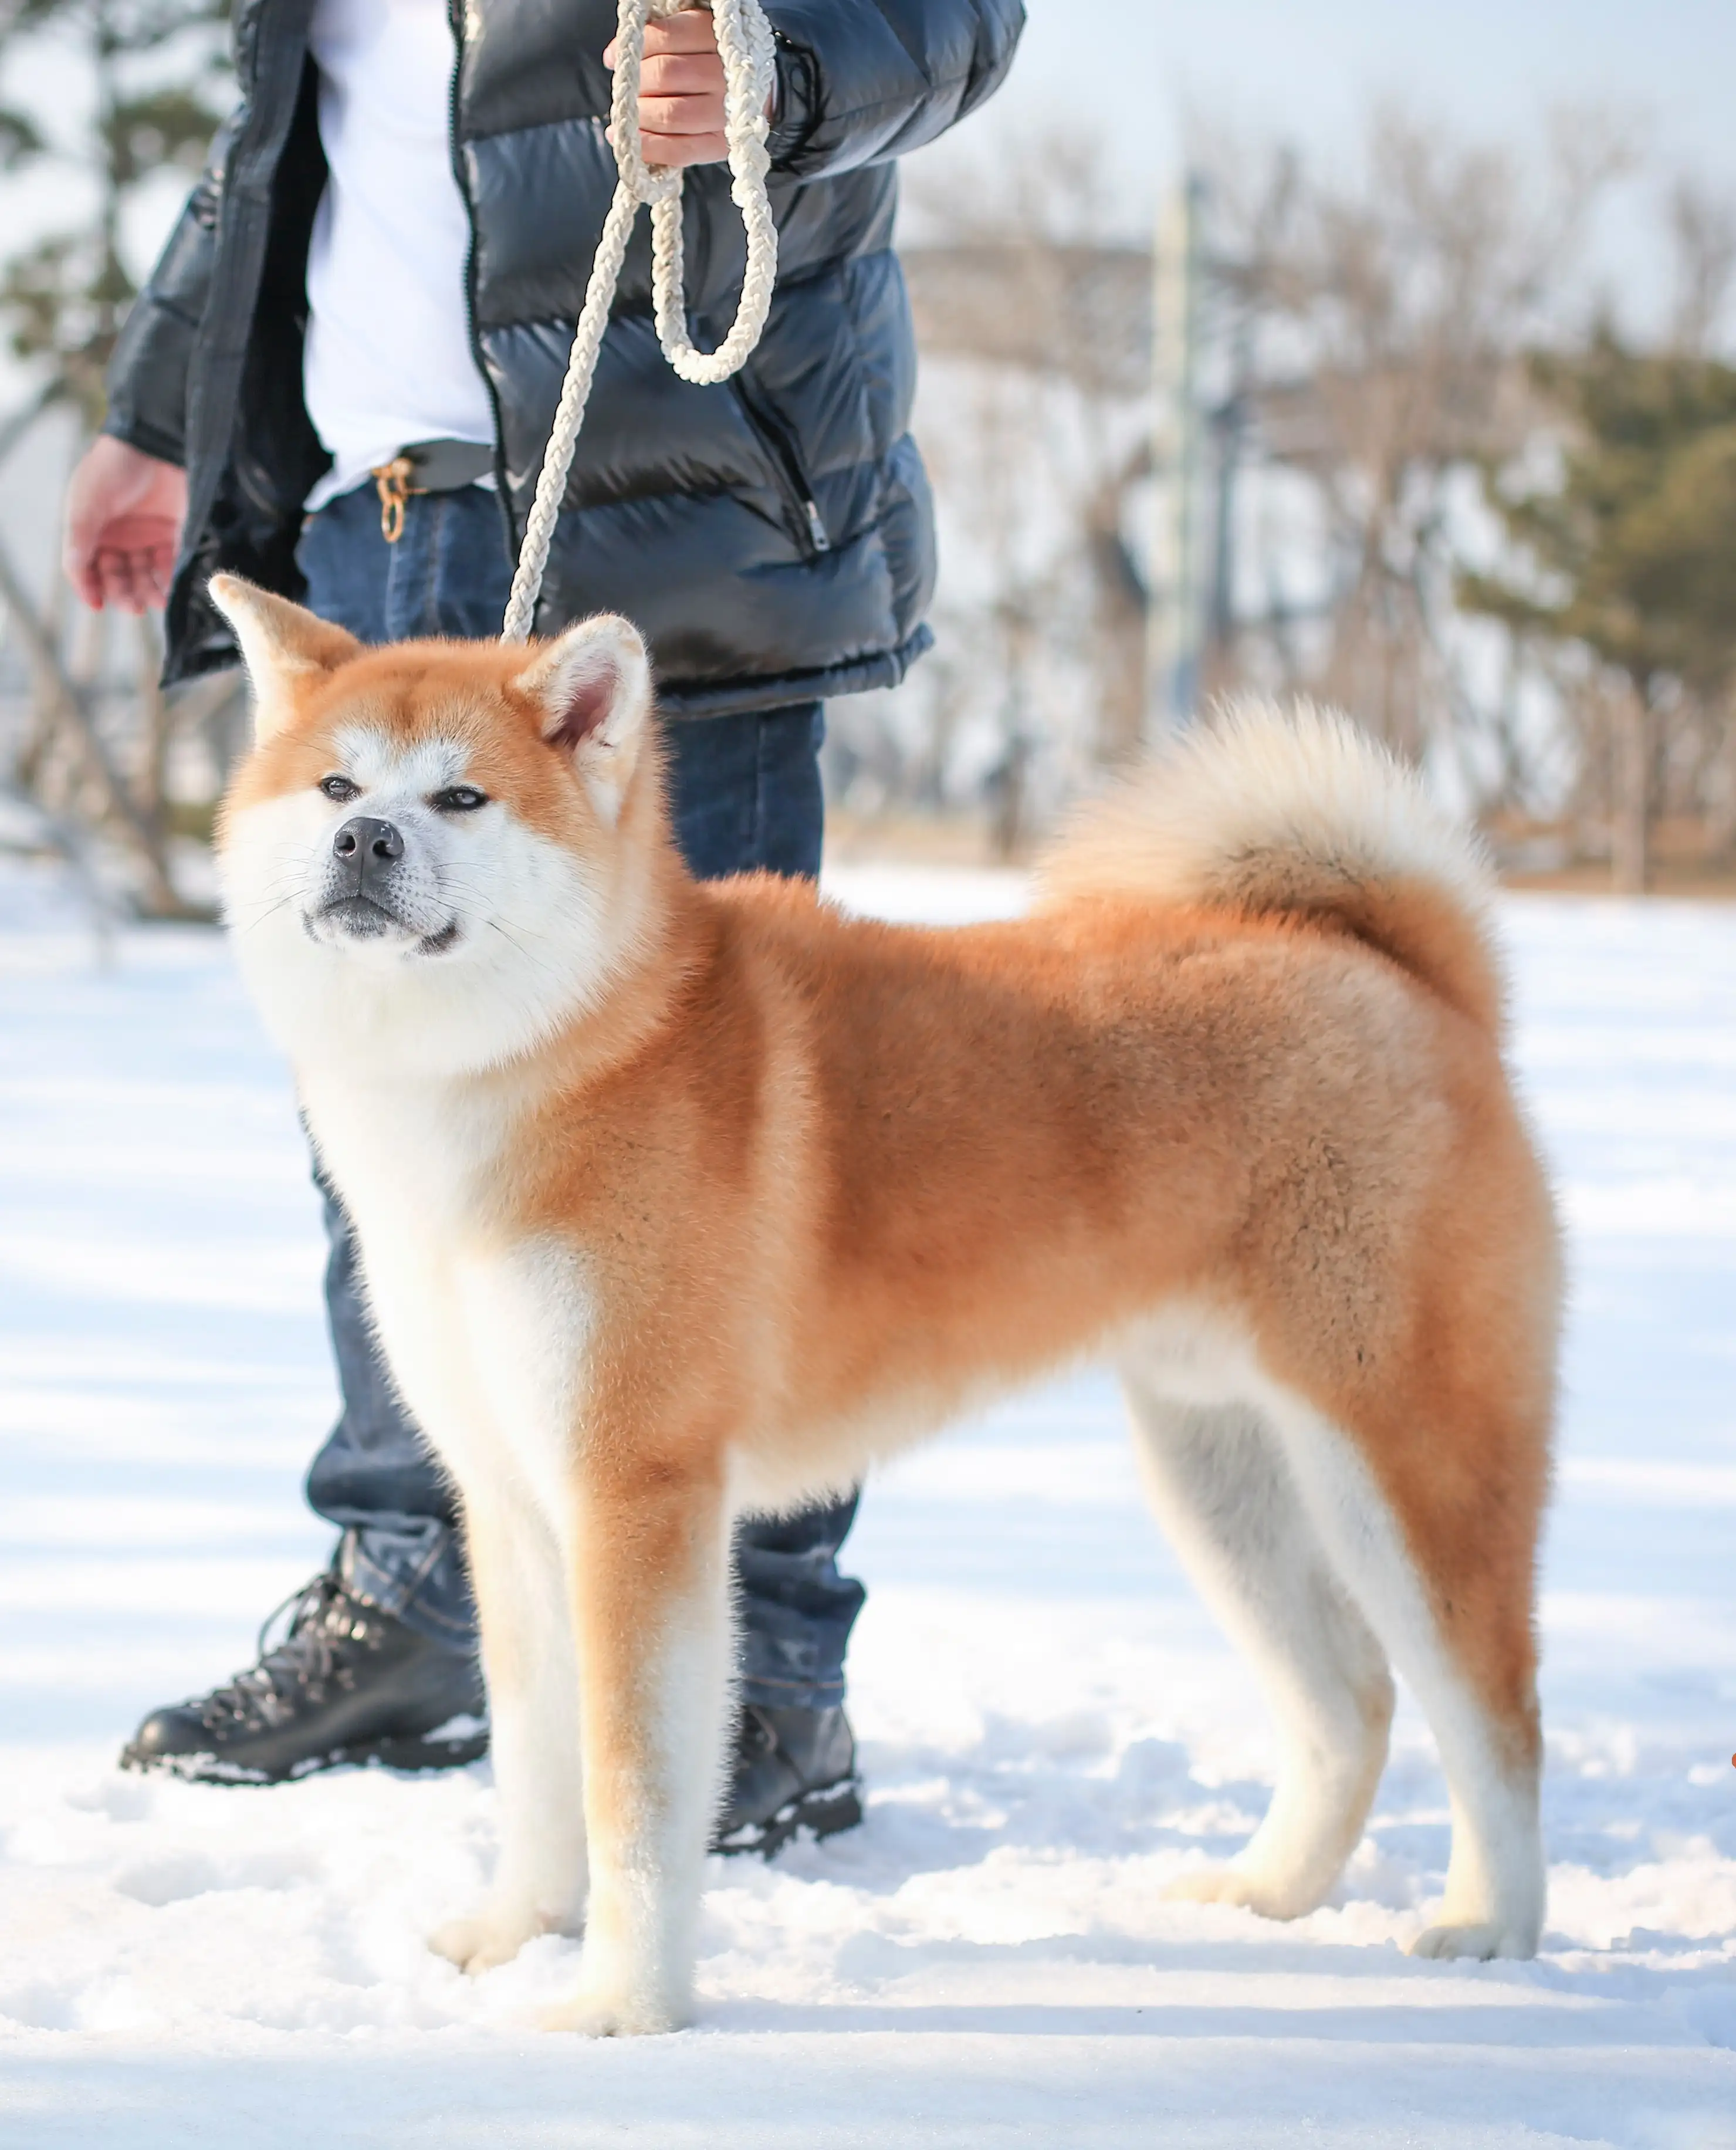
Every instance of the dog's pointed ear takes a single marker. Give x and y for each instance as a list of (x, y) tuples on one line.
[(281, 643), (592, 685)]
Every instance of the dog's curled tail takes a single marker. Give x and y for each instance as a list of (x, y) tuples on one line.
[(1296, 811)]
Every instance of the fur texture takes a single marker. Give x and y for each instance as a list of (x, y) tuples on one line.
[(1298, 815), (677, 1200)]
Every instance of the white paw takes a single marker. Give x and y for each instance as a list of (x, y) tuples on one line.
[(1476, 1943), (493, 1936), (1245, 1887), (595, 2013)]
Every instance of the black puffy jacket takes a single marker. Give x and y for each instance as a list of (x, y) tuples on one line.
[(772, 536)]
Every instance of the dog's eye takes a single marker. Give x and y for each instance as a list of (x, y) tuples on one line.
[(460, 798), (339, 788)]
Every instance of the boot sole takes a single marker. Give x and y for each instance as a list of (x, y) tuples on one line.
[(409, 1753), (827, 1811), (824, 1811)]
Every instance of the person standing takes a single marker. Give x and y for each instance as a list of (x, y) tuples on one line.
[(338, 381)]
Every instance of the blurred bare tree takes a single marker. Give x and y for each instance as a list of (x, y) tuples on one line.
[(93, 749), (1393, 303), (1034, 324), (1702, 227), (1369, 395), (1368, 329)]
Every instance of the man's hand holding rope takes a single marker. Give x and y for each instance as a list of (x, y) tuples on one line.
[(681, 91)]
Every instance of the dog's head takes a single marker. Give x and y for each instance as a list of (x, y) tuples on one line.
[(436, 852)]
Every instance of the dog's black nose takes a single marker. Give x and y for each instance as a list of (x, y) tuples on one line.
[(364, 840)]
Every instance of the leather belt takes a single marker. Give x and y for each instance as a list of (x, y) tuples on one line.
[(426, 467)]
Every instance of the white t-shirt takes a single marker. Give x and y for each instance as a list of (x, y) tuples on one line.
[(388, 358)]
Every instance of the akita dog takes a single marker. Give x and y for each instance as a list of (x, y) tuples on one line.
[(678, 1201)]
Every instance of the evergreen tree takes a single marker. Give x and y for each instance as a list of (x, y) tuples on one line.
[(1631, 553)]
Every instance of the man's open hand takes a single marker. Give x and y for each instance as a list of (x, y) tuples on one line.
[(124, 516), (681, 91)]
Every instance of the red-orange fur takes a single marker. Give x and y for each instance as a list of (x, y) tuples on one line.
[(835, 1177)]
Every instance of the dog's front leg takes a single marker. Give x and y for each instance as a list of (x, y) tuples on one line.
[(520, 1575), (652, 1617)]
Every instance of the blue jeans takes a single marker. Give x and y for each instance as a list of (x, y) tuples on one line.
[(744, 793)]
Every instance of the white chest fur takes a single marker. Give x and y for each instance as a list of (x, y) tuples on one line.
[(487, 1335)]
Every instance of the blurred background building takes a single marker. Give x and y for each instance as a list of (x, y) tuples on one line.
[(1332, 350)]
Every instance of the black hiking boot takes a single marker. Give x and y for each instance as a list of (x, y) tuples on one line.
[(347, 1682), (794, 1769)]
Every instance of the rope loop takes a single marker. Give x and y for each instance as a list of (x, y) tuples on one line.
[(746, 47)]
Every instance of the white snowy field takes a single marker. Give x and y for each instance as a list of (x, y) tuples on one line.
[(1050, 1726)]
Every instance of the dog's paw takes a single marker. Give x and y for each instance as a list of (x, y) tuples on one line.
[(1478, 1942), (494, 1935), (1244, 1887), (594, 2013)]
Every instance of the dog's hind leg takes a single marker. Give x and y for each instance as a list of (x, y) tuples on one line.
[(1217, 1477), (650, 1579), (532, 1675), (1444, 1575)]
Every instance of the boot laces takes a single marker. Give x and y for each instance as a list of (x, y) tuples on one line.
[(754, 1734), (321, 1618)]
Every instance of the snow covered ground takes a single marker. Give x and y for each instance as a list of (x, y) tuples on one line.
[(1050, 1726)]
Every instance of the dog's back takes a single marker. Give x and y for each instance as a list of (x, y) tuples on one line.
[(1231, 1106), (1247, 1051)]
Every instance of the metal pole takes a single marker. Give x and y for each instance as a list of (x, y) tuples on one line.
[(1174, 624), (1231, 438)]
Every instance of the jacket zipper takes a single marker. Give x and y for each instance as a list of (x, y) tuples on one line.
[(262, 52), (807, 521), (455, 18)]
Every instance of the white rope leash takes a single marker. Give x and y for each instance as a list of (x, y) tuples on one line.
[(744, 45)]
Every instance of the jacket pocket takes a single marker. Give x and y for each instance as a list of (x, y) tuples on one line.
[(801, 511)]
